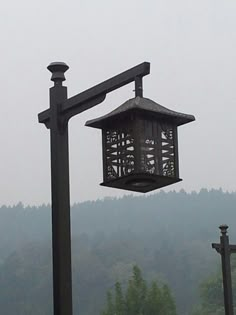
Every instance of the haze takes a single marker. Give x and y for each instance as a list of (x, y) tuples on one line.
[(191, 47)]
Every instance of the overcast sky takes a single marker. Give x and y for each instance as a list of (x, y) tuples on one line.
[(191, 47)]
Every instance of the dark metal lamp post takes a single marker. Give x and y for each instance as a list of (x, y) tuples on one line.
[(225, 249), (139, 147)]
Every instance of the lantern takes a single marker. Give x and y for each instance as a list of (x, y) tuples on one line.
[(140, 145)]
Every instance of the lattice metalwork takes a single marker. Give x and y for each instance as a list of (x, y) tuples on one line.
[(140, 153), (157, 148), (149, 162), (168, 152), (119, 154), (148, 141)]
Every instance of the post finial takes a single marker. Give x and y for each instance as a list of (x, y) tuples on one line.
[(223, 228), (58, 69)]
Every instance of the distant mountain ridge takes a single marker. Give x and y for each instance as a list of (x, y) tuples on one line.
[(168, 234)]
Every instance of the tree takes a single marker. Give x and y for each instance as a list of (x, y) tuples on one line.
[(136, 293), (167, 303), (140, 299), (211, 293), (119, 300), (110, 306)]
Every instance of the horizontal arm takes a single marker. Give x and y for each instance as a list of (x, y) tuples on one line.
[(107, 86), (218, 247), (95, 95)]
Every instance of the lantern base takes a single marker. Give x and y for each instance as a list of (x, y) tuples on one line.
[(141, 182)]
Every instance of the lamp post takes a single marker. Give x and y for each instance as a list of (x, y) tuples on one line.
[(225, 249), (126, 166)]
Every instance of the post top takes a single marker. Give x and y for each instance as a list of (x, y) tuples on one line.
[(223, 228), (58, 69)]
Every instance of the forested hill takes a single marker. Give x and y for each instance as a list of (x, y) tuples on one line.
[(168, 235)]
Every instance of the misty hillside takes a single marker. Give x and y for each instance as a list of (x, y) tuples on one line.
[(168, 235)]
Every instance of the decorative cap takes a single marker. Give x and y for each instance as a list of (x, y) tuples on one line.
[(58, 69), (223, 228)]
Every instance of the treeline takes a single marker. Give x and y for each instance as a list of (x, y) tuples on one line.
[(168, 235)]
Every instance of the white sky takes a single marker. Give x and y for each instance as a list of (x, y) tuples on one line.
[(191, 47)]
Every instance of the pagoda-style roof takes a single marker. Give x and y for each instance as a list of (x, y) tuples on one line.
[(142, 104)]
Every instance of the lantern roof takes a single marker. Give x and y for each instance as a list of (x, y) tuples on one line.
[(142, 104)]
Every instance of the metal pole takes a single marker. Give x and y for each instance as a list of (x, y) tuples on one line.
[(61, 234), (226, 271), (56, 119)]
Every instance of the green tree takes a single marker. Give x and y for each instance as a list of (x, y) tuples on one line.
[(140, 299), (211, 293), (167, 302), (110, 306), (154, 299), (136, 293), (119, 300)]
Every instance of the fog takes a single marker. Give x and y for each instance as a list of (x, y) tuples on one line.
[(191, 47)]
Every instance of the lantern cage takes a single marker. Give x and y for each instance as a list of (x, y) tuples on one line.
[(140, 145)]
